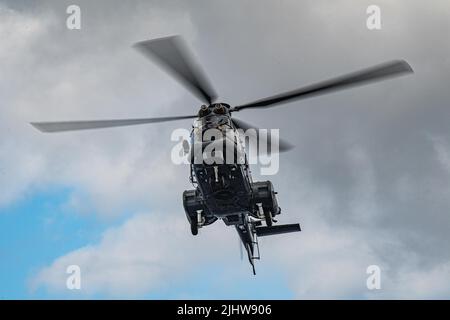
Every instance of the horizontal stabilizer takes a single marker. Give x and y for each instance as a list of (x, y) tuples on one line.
[(284, 228)]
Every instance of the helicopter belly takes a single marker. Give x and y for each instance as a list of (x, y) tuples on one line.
[(226, 189)]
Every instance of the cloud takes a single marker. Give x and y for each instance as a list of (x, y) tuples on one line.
[(418, 284), (147, 252), (44, 81)]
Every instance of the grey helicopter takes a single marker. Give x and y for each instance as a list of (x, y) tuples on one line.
[(226, 191)]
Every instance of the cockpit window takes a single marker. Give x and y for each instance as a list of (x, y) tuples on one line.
[(221, 122), (212, 121)]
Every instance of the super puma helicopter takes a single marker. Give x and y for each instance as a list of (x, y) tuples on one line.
[(226, 191)]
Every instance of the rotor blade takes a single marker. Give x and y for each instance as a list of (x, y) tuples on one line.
[(173, 55), (376, 73), (97, 124), (262, 139)]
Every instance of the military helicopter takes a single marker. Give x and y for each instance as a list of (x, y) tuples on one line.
[(226, 191)]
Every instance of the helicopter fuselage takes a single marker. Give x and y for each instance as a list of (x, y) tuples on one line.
[(224, 186), (224, 189)]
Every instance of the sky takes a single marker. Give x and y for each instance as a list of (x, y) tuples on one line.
[(368, 180)]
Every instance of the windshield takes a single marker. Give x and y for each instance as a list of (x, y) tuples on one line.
[(213, 121)]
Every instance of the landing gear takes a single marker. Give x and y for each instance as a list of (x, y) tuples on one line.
[(194, 227), (197, 222), (268, 217), (264, 213)]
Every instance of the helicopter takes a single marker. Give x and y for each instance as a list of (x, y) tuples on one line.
[(226, 191)]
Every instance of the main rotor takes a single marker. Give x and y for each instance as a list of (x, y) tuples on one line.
[(172, 54)]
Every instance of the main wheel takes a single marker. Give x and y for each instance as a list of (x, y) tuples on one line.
[(268, 217), (194, 227)]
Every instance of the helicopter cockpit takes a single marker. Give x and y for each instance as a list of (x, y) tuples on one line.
[(215, 116)]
